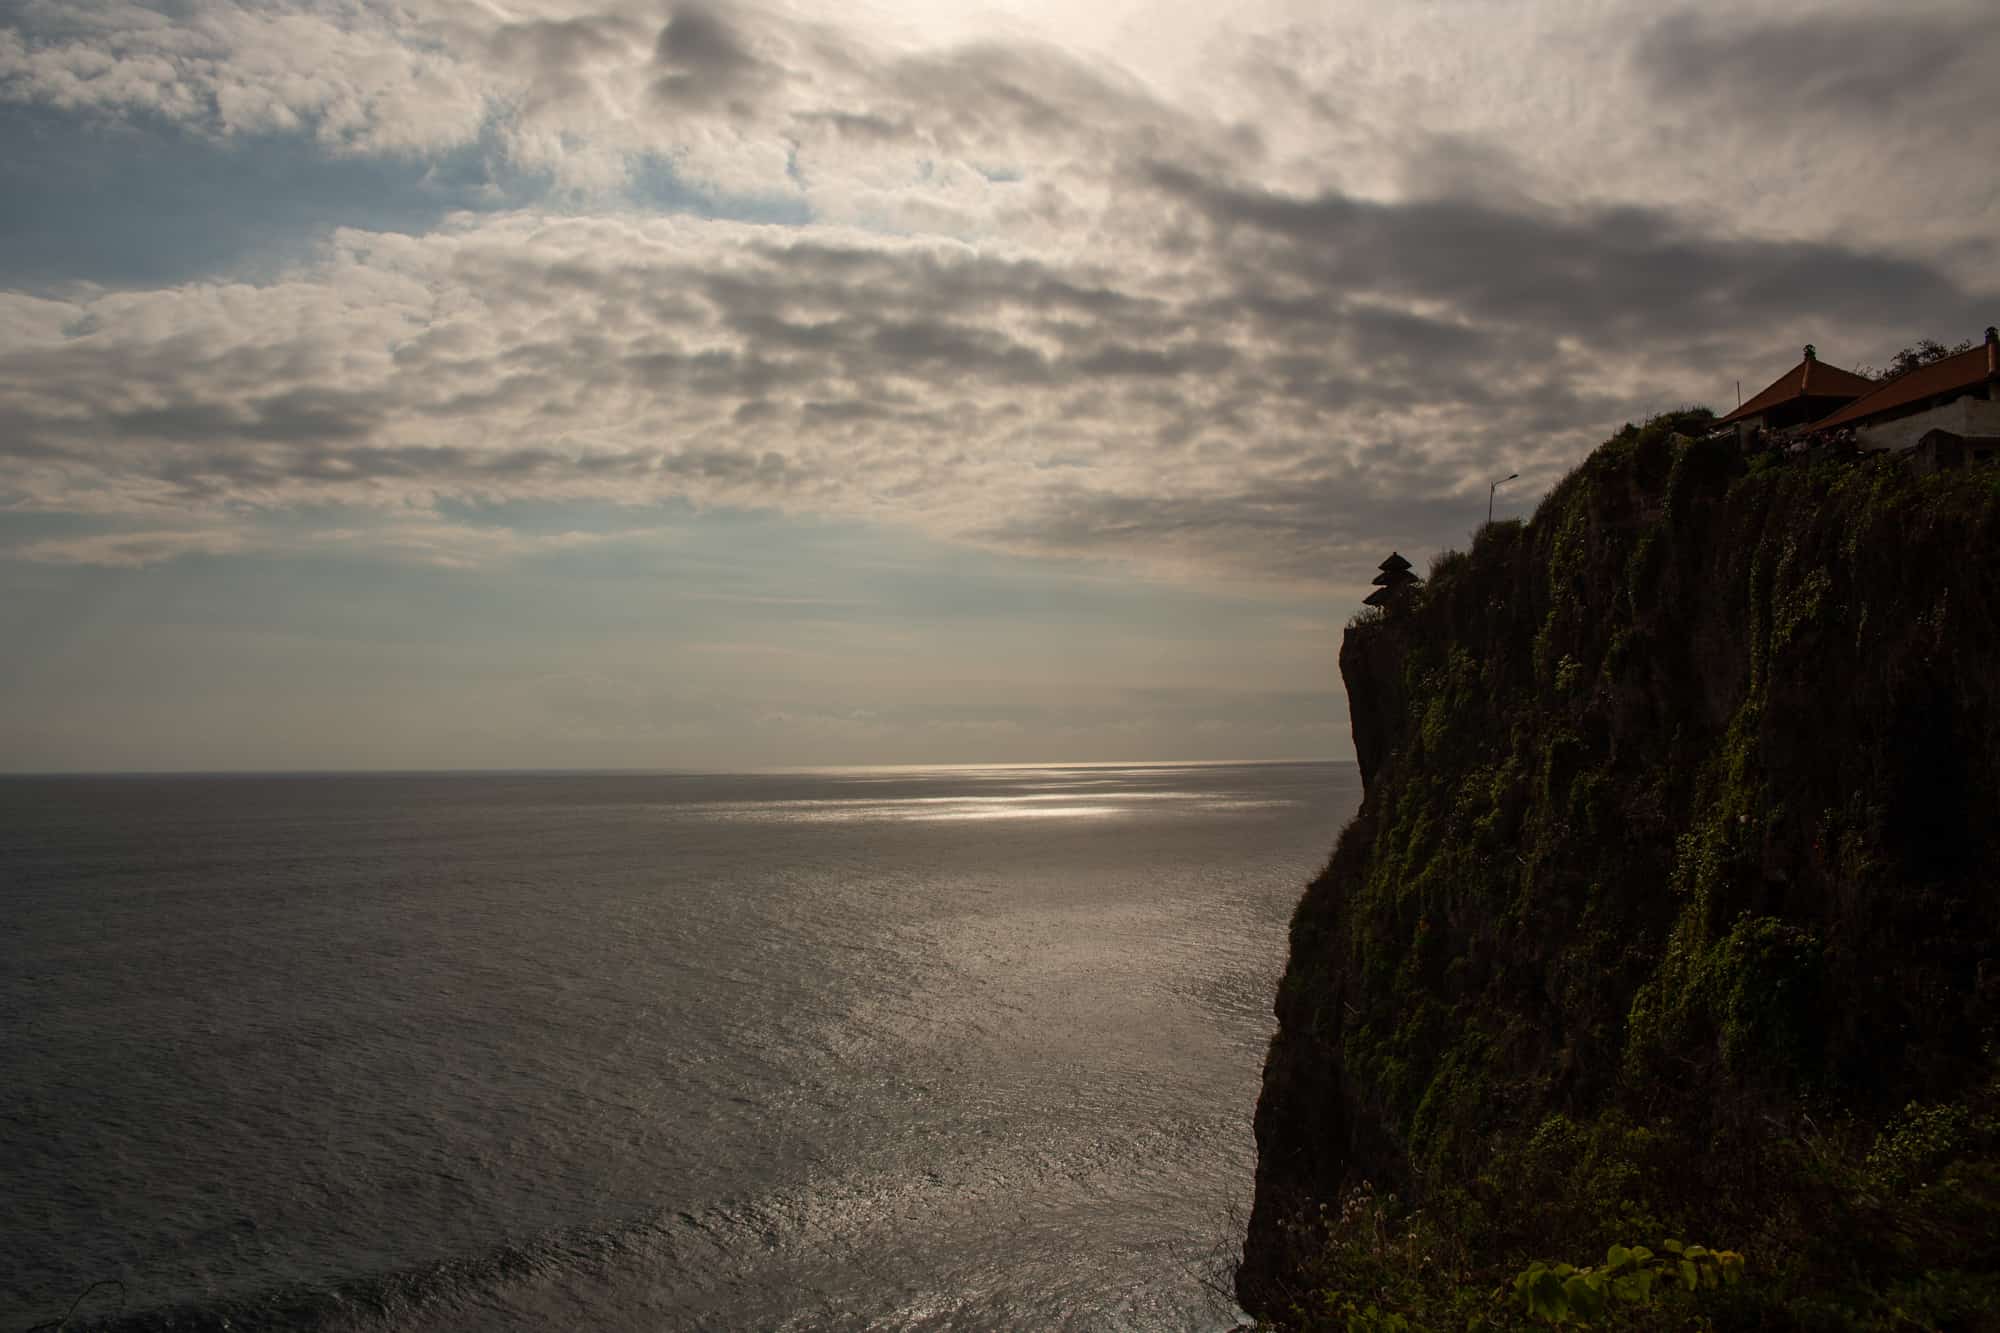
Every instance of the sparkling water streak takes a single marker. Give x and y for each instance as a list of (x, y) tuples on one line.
[(863, 1049)]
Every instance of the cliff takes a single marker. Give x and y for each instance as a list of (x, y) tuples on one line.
[(1672, 909)]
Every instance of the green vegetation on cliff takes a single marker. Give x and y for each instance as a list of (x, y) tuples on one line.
[(1672, 911)]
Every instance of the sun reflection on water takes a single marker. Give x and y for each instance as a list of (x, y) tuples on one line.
[(1027, 805), (1006, 808)]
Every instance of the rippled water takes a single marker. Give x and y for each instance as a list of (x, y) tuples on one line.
[(859, 1049)]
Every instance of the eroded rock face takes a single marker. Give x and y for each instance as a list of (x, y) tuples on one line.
[(1371, 661), (1681, 825)]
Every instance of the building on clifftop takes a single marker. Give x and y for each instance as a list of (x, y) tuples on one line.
[(1957, 394), (1799, 397)]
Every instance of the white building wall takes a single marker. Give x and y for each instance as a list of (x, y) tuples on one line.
[(1982, 417), (1960, 416)]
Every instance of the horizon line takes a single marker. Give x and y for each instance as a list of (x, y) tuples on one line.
[(14, 774)]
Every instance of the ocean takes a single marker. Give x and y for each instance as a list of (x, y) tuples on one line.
[(875, 1048)]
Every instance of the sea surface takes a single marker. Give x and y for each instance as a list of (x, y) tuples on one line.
[(902, 1049)]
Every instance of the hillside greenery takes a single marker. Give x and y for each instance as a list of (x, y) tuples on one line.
[(1672, 913)]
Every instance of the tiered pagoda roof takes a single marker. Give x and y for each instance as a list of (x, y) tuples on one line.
[(1395, 577)]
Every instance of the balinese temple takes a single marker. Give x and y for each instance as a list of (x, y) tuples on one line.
[(1392, 583), (1802, 395)]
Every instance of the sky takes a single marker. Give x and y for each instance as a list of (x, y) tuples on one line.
[(580, 383)]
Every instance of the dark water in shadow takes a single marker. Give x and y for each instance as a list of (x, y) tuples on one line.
[(871, 1049)]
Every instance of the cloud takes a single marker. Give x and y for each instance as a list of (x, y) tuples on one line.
[(1625, 271), (1254, 403), (1837, 120), (132, 550), (992, 289), (425, 539), (559, 55), (406, 537), (1854, 64), (704, 63), (353, 79), (743, 100)]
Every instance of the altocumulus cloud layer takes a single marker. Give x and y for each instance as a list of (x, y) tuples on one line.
[(1245, 297), (1002, 289)]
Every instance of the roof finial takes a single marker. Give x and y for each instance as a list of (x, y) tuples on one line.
[(1812, 353)]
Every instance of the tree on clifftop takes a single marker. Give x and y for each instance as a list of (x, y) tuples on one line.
[(1917, 355)]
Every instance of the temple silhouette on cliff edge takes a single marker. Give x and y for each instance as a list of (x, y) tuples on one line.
[(1393, 584)]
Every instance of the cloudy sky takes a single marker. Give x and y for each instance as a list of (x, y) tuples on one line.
[(579, 383)]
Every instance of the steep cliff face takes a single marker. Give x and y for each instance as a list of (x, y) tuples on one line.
[(1673, 905)]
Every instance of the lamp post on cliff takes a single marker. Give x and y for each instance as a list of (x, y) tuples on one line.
[(1511, 476)]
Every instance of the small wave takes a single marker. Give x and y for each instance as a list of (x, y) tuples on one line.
[(389, 1300), (821, 1253)]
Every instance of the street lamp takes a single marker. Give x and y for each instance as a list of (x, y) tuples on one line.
[(1511, 476)]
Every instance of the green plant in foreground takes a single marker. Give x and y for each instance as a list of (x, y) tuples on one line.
[(1564, 1293)]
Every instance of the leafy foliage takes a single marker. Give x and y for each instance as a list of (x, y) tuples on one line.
[(1632, 1277), (1917, 355), (1383, 1268)]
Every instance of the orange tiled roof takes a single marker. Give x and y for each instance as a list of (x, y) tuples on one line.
[(1810, 378), (1962, 371)]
